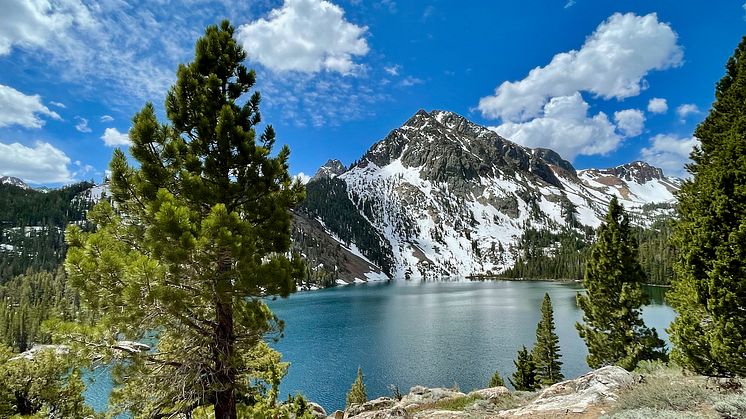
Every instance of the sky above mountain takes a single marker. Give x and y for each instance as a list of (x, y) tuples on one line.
[(602, 83)]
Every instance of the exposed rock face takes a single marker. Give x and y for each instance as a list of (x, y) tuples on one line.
[(332, 168), (577, 395)]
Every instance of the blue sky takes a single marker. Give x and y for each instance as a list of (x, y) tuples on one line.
[(601, 82)]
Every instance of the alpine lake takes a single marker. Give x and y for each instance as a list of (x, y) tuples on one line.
[(403, 333)]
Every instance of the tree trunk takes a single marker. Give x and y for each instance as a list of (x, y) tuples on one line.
[(225, 371), (223, 349)]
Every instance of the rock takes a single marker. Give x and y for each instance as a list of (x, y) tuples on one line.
[(36, 349), (316, 410), (595, 387), (490, 393), (419, 395), (441, 414), (337, 415), (378, 404)]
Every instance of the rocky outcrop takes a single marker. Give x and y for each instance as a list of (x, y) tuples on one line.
[(575, 396), (584, 396)]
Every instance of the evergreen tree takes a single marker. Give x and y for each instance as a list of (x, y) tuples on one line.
[(197, 237), (496, 380), (709, 290), (546, 351), (357, 394), (612, 328), (524, 377)]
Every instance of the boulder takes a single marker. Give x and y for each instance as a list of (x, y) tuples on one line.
[(490, 393), (420, 395), (575, 396), (316, 410), (378, 404)]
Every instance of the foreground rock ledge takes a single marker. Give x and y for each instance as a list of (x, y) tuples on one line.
[(582, 396)]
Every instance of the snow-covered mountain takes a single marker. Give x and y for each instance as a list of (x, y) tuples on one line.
[(10, 180), (449, 197)]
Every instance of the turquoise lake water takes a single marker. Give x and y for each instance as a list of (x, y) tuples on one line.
[(404, 333)]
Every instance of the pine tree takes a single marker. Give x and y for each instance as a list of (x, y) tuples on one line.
[(524, 377), (709, 290), (612, 328), (497, 380), (546, 351), (357, 394), (197, 236)]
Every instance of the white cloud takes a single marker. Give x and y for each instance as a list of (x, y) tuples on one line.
[(304, 35), (410, 81), (58, 104), (32, 23), (303, 178), (685, 110), (42, 163), (566, 128), (569, 4), (612, 63), (392, 70), (670, 153), (630, 122), (657, 105), (112, 138), (17, 108), (106, 118), (82, 125)]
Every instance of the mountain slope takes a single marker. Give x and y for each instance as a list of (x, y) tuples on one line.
[(453, 198)]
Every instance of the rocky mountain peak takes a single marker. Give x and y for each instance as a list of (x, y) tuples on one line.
[(447, 147), (330, 169), (10, 180), (637, 171)]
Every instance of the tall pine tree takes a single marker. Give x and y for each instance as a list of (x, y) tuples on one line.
[(709, 289), (546, 351), (612, 328), (197, 237), (524, 377)]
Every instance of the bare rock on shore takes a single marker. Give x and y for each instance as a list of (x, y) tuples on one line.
[(575, 396)]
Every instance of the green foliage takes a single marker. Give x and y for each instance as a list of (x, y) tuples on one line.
[(327, 199), (709, 292), (357, 394), (29, 300), (196, 237), (524, 377), (612, 328), (563, 254), (46, 385), (546, 350), (731, 406), (496, 380), (32, 225)]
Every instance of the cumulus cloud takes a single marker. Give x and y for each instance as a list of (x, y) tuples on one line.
[(106, 118), (33, 23), (630, 122), (670, 153), (42, 163), (82, 125), (304, 35), (303, 178), (566, 128), (657, 105), (685, 110), (17, 108), (612, 63), (112, 138)]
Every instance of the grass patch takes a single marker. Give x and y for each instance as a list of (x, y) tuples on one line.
[(664, 394), (731, 406), (648, 413), (455, 403)]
